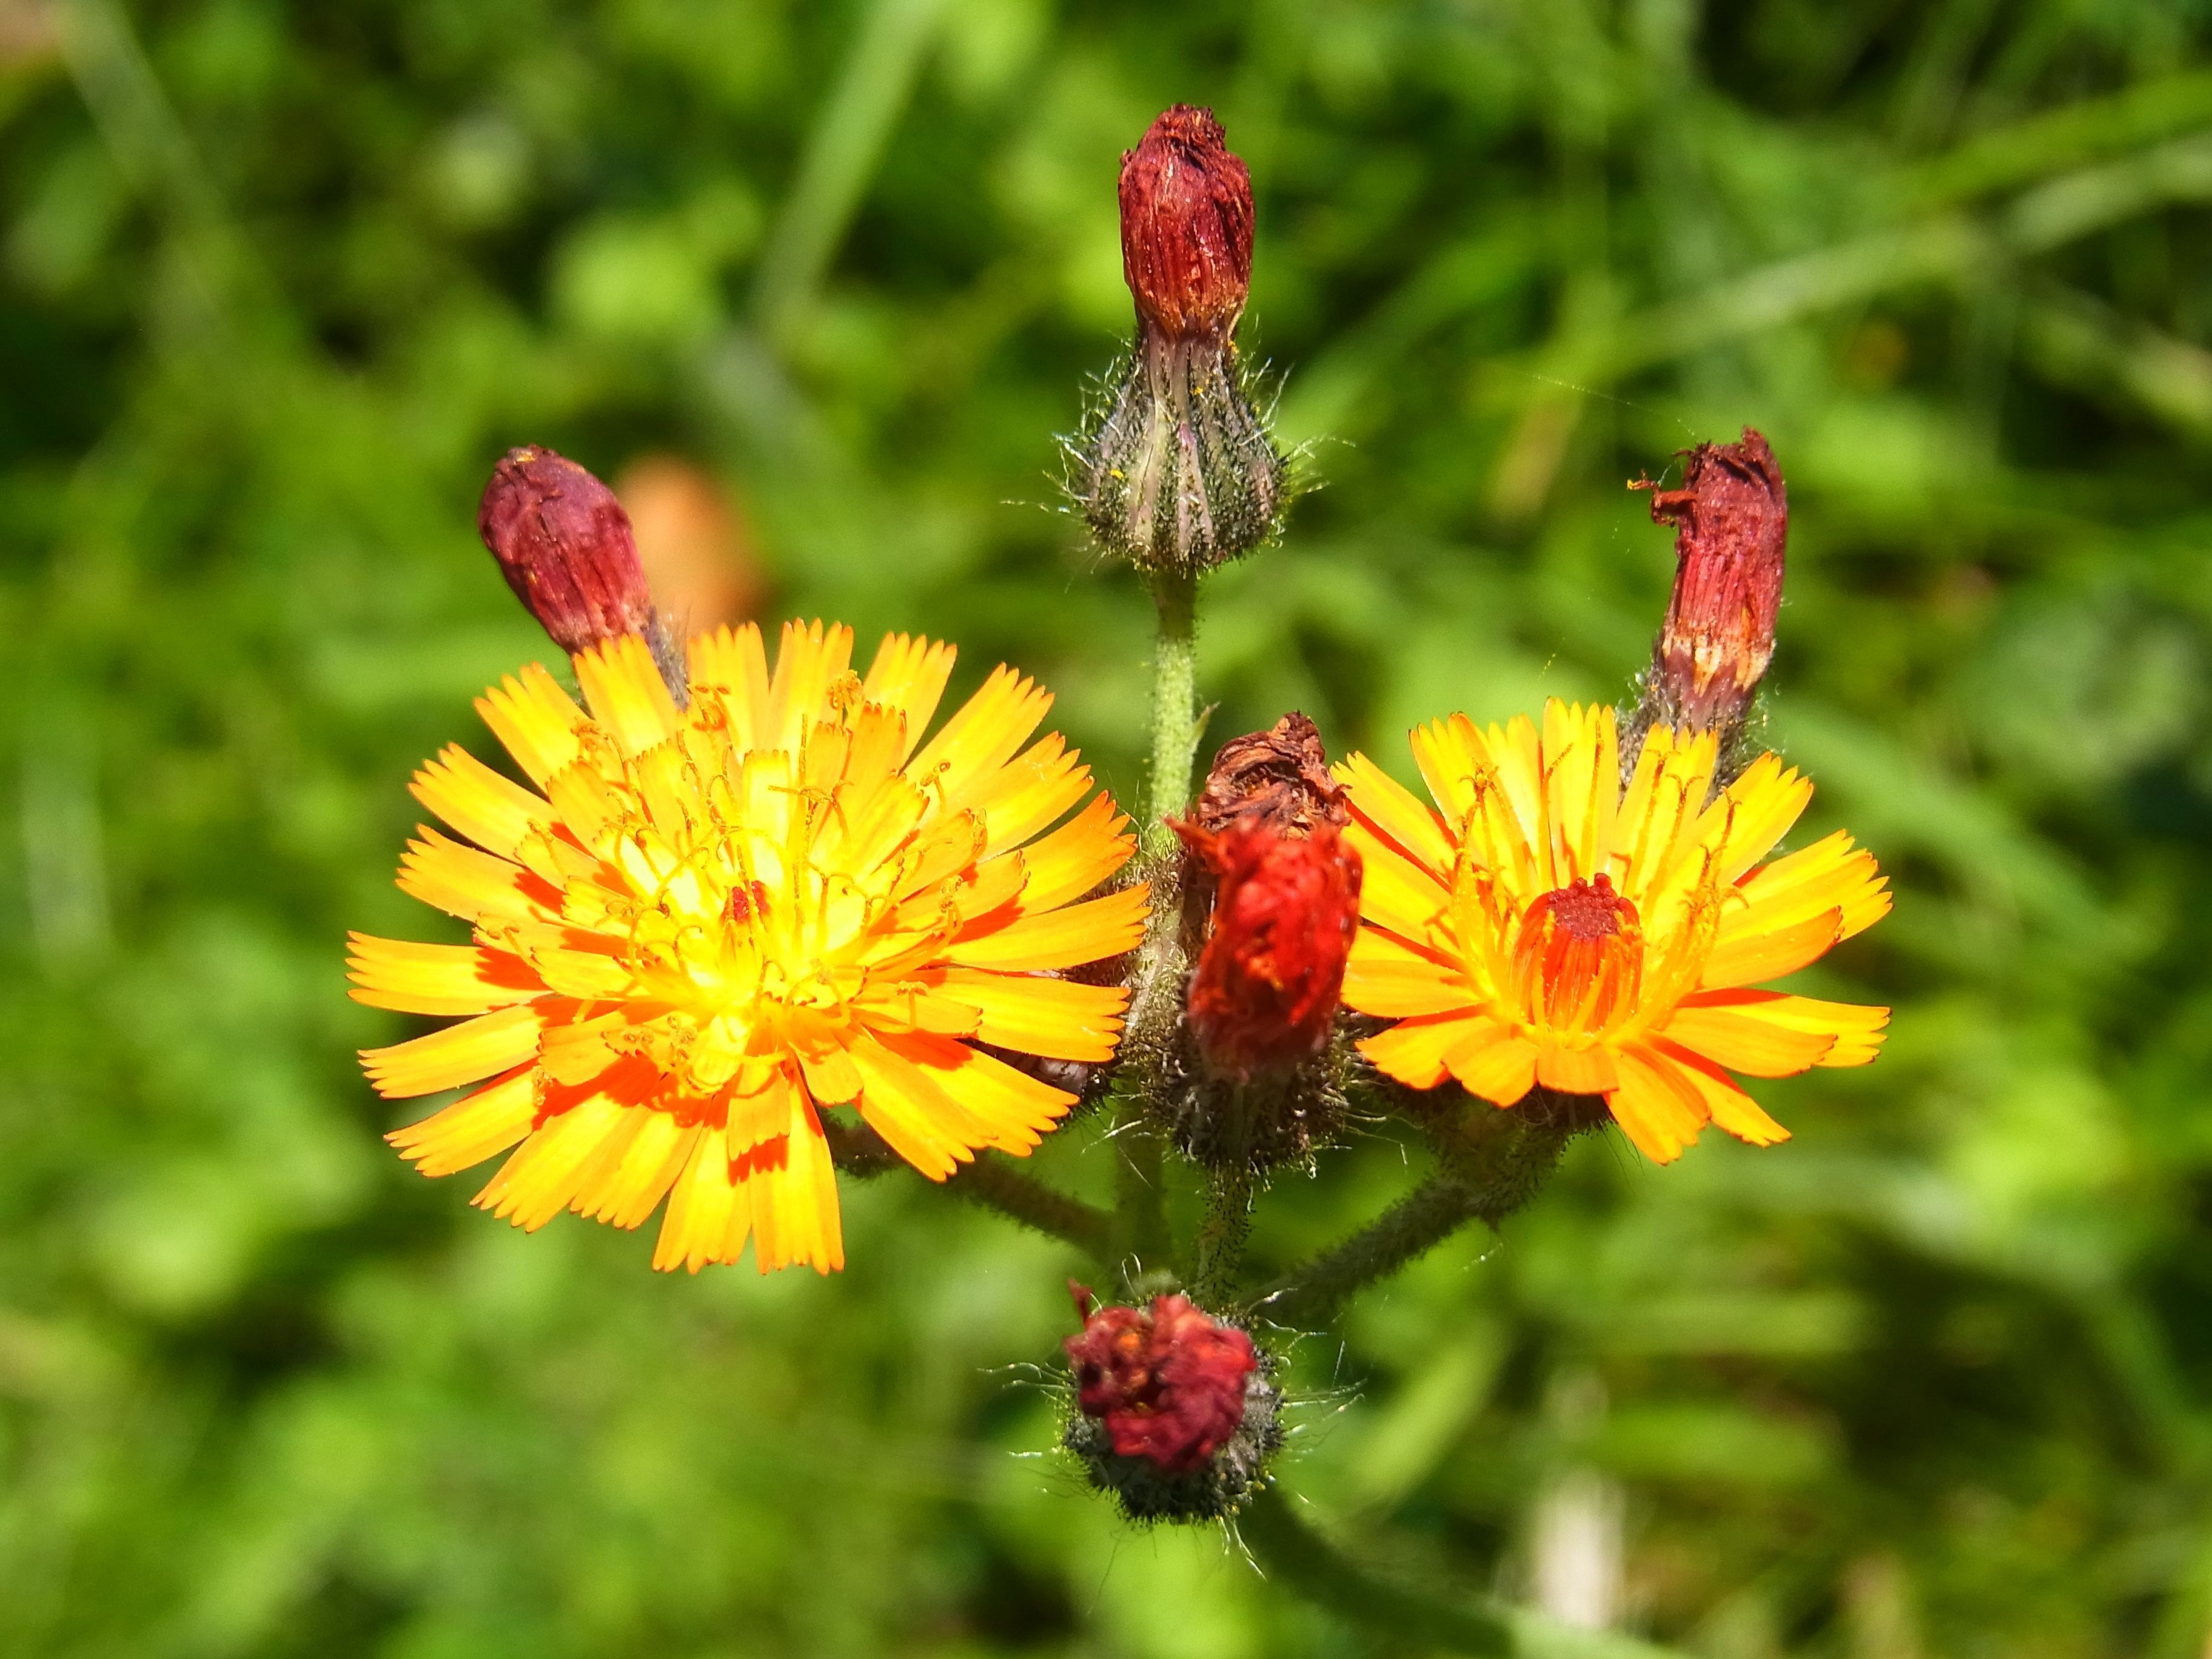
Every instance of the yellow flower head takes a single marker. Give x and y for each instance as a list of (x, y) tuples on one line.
[(715, 921), (1549, 926)]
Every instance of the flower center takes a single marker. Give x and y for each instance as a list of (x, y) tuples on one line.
[(1579, 961)]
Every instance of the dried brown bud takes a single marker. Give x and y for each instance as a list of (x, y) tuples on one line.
[(1732, 520), (1186, 225), (1279, 776)]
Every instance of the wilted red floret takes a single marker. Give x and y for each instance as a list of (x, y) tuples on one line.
[(1187, 224), (564, 545), (1280, 776), (1732, 520), (1167, 1383), (1272, 973)]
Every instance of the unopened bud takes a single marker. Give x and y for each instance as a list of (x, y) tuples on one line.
[(564, 545), (1177, 471), (1279, 777), (1732, 520), (1186, 225), (1264, 994), (1177, 1415)]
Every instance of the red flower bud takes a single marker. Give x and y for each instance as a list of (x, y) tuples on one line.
[(1268, 982), (1280, 777), (563, 543), (1186, 225), (1169, 1383), (1732, 518)]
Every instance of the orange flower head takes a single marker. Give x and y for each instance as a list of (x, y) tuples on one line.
[(706, 926), (1541, 924)]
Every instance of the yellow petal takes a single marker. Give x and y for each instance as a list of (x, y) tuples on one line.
[(1655, 1105), (459, 1053), (536, 1184), (909, 675), (729, 665), (627, 1191), (1718, 1095), (1066, 937), (706, 1208), (1495, 1064), (473, 1128), (475, 886), (1013, 1108), (794, 1201), (494, 812), (436, 979), (1076, 857), (535, 719), (1394, 813), (1737, 1039), (1857, 1029), (1056, 1018), (1413, 1051), (1590, 1070), (1743, 957), (920, 1121), (628, 697), (1384, 976)]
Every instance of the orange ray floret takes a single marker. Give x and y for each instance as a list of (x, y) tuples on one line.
[(708, 925), (1542, 923)]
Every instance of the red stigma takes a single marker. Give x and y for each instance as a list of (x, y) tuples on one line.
[(1589, 909)]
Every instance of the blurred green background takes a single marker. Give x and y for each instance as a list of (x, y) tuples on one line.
[(279, 281)]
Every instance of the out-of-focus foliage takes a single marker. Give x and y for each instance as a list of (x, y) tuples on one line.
[(281, 280)]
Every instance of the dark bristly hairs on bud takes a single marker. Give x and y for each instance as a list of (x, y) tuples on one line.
[(1177, 1416), (1731, 516), (564, 545), (1176, 470)]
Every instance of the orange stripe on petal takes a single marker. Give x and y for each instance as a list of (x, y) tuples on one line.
[(795, 1215)]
